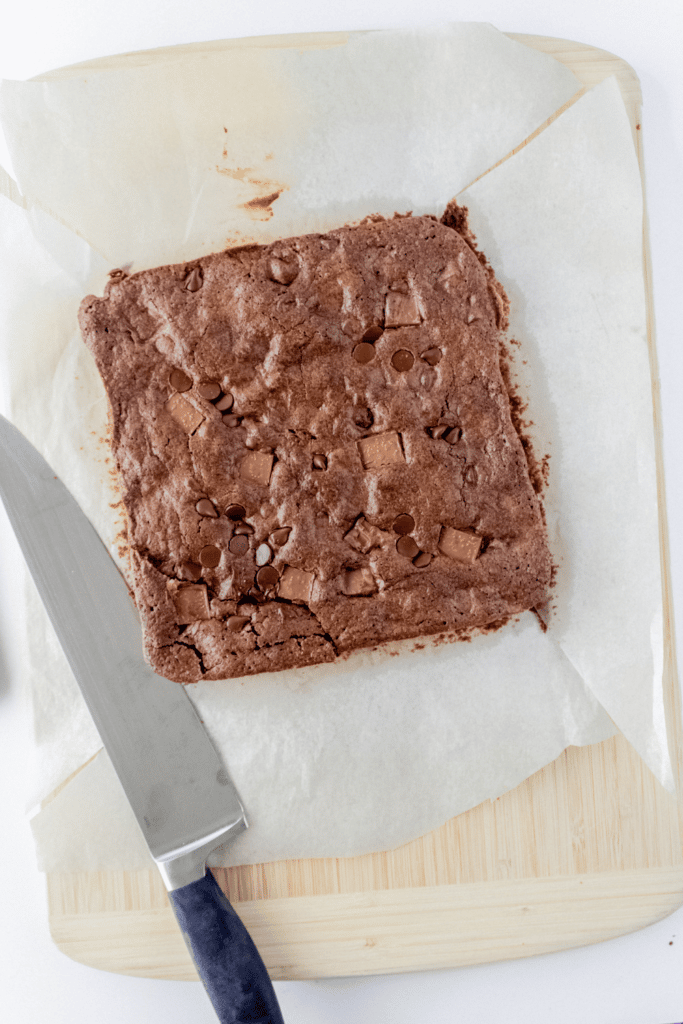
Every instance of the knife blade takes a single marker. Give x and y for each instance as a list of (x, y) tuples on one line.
[(180, 792)]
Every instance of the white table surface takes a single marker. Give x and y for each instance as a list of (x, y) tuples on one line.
[(637, 979)]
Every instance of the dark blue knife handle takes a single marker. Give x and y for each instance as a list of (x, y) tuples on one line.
[(224, 954)]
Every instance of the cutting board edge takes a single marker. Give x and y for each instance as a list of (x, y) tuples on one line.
[(389, 932)]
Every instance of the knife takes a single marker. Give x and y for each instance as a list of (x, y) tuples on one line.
[(183, 798)]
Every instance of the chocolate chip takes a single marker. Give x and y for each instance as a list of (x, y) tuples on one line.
[(193, 282), (432, 356), (437, 432), (244, 528), (319, 462), (256, 595), (239, 544), (362, 417), (373, 334), (404, 524), (179, 380), (453, 435), (471, 475), (267, 577), (235, 623), (282, 271), (407, 547), (225, 404), (364, 353), (209, 390), (422, 560), (280, 536), (210, 556), (192, 570), (206, 508), (402, 360), (263, 554), (235, 512), (231, 420)]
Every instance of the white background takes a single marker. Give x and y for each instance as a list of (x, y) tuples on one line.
[(637, 979)]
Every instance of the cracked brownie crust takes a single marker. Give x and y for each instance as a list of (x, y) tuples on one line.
[(316, 448)]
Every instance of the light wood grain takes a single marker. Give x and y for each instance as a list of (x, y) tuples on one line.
[(584, 850)]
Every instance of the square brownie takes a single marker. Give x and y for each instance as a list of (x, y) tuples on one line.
[(316, 447)]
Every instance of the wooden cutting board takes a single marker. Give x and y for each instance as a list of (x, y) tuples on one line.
[(586, 849)]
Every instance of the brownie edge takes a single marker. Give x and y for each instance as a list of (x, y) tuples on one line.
[(316, 448)]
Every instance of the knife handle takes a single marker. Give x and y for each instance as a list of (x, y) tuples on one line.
[(224, 954)]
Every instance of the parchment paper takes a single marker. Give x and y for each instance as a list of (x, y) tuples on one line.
[(436, 731)]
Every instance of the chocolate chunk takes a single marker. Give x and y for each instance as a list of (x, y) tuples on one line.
[(422, 560), (191, 570), (373, 334), (235, 512), (449, 279), (236, 623), (295, 584), (245, 528), (263, 554), (381, 450), (401, 310), (280, 536), (459, 545), (267, 577), (432, 356), (257, 467), (407, 547), (282, 271), (257, 595), (209, 390), (239, 544), (362, 417), (191, 604), (226, 403), (404, 524), (358, 581), (363, 536), (364, 353), (319, 462), (428, 378), (437, 432), (206, 508), (402, 360), (184, 413), (210, 556), (453, 435), (193, 281), (179, 380), (231, 420)]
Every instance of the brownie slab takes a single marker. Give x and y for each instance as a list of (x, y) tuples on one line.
[(316, 449)]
